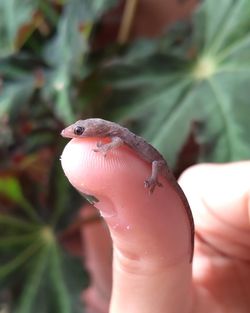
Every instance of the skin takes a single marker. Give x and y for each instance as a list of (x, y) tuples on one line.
[(152, 282), (150, 263), (99, 128)]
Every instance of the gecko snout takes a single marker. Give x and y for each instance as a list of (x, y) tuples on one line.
[(66, 132), (63, 133)]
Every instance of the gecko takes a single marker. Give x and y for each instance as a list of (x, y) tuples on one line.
[(100, 128)]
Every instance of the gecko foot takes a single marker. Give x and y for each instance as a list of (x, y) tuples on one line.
[(99, 144), (151, 183), (102, 147)]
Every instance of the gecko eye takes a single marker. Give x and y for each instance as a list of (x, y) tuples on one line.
[(78, 130)]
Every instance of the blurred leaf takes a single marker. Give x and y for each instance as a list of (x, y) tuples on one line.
[(14, 94), (16, 240), (59, 289), (206, 82), (54, 280), (21, 258), (11, 189), (51, 277), (13, 14), (216, 31), (16, 232), (91, 10), (67, 51), (195, 79), (31, 288), (44, 52), (39, 140), (59, 193)]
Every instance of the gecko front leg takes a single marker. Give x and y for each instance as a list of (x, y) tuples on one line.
[(106, 147), (149, 183), (152, 181)]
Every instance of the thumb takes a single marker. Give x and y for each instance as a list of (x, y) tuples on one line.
[(150, 232)]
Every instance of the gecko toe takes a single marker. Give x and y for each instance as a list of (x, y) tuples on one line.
[(101, 150), (159, 184), (151, 183), (99, 144)]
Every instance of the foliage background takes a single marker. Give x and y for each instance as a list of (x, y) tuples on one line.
[(187, 92)]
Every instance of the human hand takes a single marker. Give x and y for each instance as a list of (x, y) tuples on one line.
[(150, 234)]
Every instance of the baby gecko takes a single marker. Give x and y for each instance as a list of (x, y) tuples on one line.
[(96, 127)]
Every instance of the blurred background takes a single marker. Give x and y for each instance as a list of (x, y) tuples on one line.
[(177, 72)]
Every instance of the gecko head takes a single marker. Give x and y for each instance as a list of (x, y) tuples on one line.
[(92, 127)]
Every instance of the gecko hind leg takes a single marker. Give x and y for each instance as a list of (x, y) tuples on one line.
[(152, 181), (104, 148)]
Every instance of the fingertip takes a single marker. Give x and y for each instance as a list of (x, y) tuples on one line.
[(117, 173), (150, 232), (132, 213)]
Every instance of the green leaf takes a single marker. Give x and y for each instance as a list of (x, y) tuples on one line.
[(19, 260), (222, 28), (59, 289), (33, 283), (16, 240), (61, 197), (67, 280), (14, 222), (53, 279), (48, 285), (67, 51), (13, 15), (206, 83), (60, 191), (16, 94), (10, 188)]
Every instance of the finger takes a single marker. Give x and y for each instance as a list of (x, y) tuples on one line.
[(219, 196), (150, 232), (98, 260)]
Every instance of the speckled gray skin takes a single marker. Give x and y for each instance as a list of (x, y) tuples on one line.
[(96, 127)]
